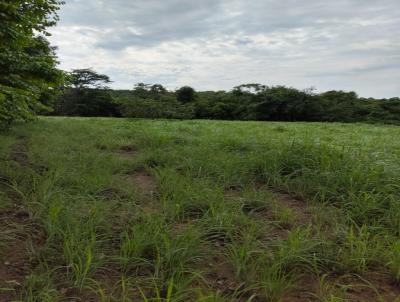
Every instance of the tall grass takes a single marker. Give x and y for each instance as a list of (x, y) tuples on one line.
[(216, 231)]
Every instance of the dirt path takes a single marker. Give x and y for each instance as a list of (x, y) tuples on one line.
[(17, 232)]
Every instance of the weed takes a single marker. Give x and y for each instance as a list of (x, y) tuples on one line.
[(39, 288), (360, 250), (241, 255), (275, 282), (393, 255)]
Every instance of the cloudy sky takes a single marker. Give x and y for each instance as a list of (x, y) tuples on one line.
[(218, 44)]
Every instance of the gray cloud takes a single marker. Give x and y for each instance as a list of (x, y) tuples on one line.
[(216, 44)]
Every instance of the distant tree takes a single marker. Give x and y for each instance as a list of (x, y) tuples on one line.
[(219, 105), (258, 102), (87, 102), (339, 106), (166, 107), (153, 101), (87, 94), (280, 103), (148, 91), (87, 78), (253, 88), (27, 62), (186, 94), (158, 89), (244, 102)]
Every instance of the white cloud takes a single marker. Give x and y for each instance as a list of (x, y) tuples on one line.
[(210, 44)]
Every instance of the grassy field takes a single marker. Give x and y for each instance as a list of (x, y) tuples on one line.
[(141, 210)]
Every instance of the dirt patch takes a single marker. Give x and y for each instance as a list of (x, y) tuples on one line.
[(112, 194), (127, 152), (19, 153), (375, 287), (234, 189), (145, 185), (15, 261), (14, 267), (143, 181), (101, 147), (302, 292), (181, 227), (274, 207), (372, 287), (299, 208), (235, 193), (17, 232), (221, 279)]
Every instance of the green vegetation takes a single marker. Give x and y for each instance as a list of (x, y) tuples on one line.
[(28, 73), (245, 102), (87, 94), (152, 210)]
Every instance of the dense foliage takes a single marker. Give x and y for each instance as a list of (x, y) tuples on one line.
[(27, 62), (245, 102), (86, 94)]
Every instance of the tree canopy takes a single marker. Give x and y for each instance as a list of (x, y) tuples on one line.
[(185, 94), (245, 102), (27, 61), (86, 93), (87, 78)]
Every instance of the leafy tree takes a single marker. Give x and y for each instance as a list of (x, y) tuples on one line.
[(153, 101), (166, 107), (158, 89), (244, 89), (27, 62), (87, 102), (148, 91), (186, 94), (87, 94), (280, 103), (87, 78), (340, 106)]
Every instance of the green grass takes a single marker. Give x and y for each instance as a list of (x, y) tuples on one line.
[(143, 210)]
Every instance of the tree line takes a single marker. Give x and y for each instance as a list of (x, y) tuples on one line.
[(31, 84), (89, 95)]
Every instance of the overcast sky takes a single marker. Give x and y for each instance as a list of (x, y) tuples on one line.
[(218, 44)]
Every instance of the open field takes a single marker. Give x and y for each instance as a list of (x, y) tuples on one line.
[(141, 210)]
